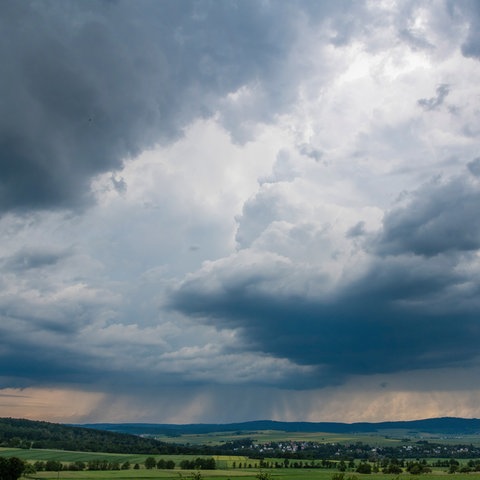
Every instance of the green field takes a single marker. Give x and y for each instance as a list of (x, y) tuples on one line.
[(227, 465), (264, 436), (387, 437), (280, 474), (225, 468), (34, 455)]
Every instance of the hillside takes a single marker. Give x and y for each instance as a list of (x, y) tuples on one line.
[(128, 437), (36, 434), (445, 425)]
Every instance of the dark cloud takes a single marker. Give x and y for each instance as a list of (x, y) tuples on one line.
[(414, 307), (316, 288), (27, 259), (474, 167), (415, 40), (434, 102), (440, 217), (357, 230), (265, 207), (92, 83), (471, 12), (29, 356), (41, 366), (310, 151), (377, 325), (119, 184)]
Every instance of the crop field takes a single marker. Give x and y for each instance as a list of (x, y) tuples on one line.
[(225, 468), (231, 467), (386, 438), (64, 456), (34, 455), (262, 436), (280, 474)]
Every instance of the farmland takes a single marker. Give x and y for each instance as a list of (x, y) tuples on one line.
[(225, 475), (386, 438), (227, 468), (222, 455)]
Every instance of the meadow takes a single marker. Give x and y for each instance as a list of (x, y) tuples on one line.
[(386, 438), (280, 474), (225, 468)]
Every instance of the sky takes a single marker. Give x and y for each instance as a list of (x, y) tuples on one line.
[(218, 211)]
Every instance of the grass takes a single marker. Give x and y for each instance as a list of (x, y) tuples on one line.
[(279, 474), (385, 438), (264, 436), (65, 456), (225, 470)]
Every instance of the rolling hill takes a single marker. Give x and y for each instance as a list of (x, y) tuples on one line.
[(36, 434), (444, 425)]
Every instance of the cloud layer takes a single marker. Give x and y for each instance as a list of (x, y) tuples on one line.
[(200, 199)]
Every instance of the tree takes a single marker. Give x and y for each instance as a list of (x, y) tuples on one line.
[(187, 464), (29, 469), (263, 476), (393, 468), (11, 468), (39, 466), (53, 466), (364, 468), (150, 463), (416, 468)]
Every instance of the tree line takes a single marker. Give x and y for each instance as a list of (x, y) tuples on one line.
[(22, 433)]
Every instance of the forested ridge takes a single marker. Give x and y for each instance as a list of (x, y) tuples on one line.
[(24, 433), (444, 425)]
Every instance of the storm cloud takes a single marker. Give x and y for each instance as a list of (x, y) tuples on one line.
[(94, 83), (213, 210), (412, 307)]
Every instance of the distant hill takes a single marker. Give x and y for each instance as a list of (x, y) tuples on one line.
[(35, 434), (444, 425), (133, 437)]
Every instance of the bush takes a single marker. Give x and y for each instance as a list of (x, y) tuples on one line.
[(263, 476), (364, 468), (150, 463), (11, 468), (53, 466)]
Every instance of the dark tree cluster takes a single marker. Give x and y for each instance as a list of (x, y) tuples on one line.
[(150, 463), (21, 433), (416, 468), (166, 464), (56, 466), (11, 468), (198, 464)]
